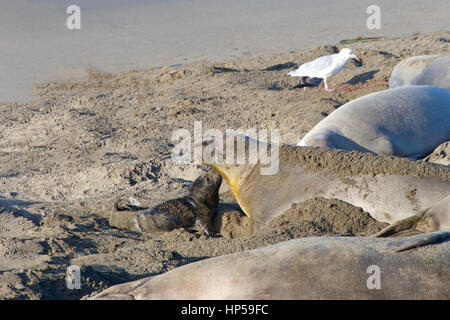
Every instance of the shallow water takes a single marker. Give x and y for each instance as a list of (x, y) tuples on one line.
[(115, 35)]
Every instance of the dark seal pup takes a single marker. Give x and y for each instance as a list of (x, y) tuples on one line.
[(193, 212)]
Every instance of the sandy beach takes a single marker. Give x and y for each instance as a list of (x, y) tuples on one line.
[(81, 144)]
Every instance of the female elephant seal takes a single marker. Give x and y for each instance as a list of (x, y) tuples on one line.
[(389, 188), (407, 122), (432, 70), (307, 268), (192, 212)]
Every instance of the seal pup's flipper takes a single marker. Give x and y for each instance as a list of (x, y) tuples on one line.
[(128, 204), (202, 225), (420, 241)]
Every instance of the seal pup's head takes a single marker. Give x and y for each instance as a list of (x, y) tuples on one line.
[(206, 189)]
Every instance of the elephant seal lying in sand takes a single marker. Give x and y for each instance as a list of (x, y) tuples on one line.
[(433, 70), (192, 212), (389, 188), (407, 122), (307, 268)]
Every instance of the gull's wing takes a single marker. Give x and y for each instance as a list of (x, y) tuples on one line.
[(317, 68)]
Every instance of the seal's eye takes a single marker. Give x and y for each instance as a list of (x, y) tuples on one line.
[(209, 181)]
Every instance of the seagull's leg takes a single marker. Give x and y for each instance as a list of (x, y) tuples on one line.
[(326, 85), (304, 89)]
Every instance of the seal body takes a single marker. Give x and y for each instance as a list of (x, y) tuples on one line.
[(431, 70), (192, 212), (407, 122), (306, 268), (389, 188)]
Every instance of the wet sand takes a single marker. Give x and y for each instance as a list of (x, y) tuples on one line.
[(119, 35)]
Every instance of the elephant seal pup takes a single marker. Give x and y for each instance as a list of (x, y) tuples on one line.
[(305, 268), (432, 70), (407, 122), (192, 212), (389, 188)]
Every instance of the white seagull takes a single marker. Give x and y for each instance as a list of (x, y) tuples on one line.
[(325, 67)]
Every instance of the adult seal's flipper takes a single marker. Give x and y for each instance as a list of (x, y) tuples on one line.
[(426, 222), (404, 227), (420, 241)]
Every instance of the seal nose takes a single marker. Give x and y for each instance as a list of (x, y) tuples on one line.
[(216, 178)]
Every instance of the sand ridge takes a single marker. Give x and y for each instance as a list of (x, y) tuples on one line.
[(349, 164)]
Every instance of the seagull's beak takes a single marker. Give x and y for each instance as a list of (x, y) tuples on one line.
[(355, 57), (357, 60)]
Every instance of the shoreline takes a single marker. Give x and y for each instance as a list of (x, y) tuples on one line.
[(116, 38), (217, 60)]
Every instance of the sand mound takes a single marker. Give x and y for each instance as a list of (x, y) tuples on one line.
[(321, 216)]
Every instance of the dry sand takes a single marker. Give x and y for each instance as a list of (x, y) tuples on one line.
[(67, 156)]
